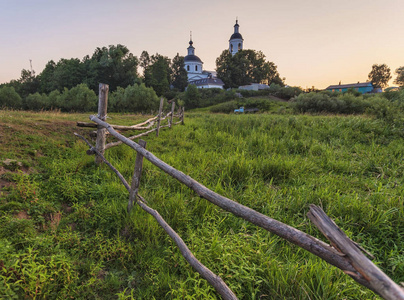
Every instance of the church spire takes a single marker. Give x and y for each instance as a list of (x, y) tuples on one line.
[(191, 49), (236, 26)]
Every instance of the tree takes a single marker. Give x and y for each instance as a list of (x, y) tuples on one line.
[(27, 84), (67, 73), (380, 75), (144, 60), (114, 65), (179, 77), (192, 97), (157, 74), (400, 76), (245, 67)]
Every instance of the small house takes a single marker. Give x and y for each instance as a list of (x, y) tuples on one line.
[(364, 87)]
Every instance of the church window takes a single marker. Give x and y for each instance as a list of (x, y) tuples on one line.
[(188, 68), (239, 46), (196, 68), (231, 48)]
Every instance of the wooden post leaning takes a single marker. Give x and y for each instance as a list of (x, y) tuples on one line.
[(172, 113), (159, 116), (134, 187), (102, 114)]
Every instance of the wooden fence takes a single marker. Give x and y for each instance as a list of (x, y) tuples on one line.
[(148, 125), (343, 253)]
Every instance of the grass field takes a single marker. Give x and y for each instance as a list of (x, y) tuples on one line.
[(65, 232)]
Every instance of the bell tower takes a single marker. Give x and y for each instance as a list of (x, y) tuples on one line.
[(236, 40)]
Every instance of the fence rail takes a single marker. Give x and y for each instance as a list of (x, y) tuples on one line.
[(342, 253)]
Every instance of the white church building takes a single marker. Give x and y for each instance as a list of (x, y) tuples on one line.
[(194, 65)]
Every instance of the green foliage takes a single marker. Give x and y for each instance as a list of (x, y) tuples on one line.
[(288, 92), (380, 75), (388, 106), (192, 97), (135, 98), (10, 98), (35, 102), (157, 74), (245, 67), (114, 65), (322, 102), (179, 77), (400, 76), (67, 73), (80, 98), (226, 107)]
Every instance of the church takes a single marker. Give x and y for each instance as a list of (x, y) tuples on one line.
[(194, 65)]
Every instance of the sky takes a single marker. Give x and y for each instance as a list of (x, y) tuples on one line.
[(312, 42)]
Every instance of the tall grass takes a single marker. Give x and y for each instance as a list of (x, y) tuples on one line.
[(278, 165)]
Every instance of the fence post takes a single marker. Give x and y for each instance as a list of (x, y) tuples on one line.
[(172, 113), (159, 118), (182, 115), (102, 114), (134, 187)]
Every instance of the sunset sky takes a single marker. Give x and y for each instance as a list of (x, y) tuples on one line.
[(313, 42)]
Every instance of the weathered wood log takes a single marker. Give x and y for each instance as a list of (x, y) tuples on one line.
[(119, 127), (172, 113), (102, 114), (293, 235), (380, 282), (109, 145), (134, 187), (113, 144), (159, 117), (215, 280)]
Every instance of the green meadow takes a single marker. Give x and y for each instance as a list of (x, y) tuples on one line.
[(65, 232)]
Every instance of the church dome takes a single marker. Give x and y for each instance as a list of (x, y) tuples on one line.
[(193, 58), (236, 35)]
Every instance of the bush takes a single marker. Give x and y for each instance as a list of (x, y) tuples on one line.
[(322, 102), (135, 98), (36, 102), (288, 92), (192, 97), (226, 107), (10, 98), (80, 99)]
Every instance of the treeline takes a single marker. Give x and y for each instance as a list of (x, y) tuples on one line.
[(58, 83), (134, 98)]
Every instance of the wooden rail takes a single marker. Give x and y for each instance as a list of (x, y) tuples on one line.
[(148, 125)]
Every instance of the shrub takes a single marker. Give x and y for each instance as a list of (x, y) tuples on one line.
[(322, 102), (36, 102), (226, 107), (135, 98), (288, 92), (80, 99), (192, 97), (10, 98)]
